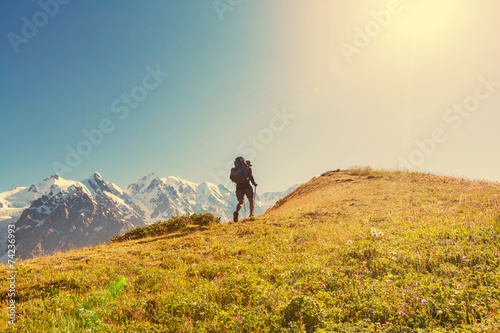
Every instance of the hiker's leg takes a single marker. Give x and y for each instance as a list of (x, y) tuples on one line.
[(240, 204), (249, 194), (240, 196), (251, 201)]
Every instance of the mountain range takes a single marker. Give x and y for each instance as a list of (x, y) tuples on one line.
[(56, 214)]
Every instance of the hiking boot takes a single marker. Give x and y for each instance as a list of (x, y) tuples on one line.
[(235, 216), (251, 215)]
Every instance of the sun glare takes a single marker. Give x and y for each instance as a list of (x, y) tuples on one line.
[(426, 19)]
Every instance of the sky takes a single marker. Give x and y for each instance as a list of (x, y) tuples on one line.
[(181, 88)]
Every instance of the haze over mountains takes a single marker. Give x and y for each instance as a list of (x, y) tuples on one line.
[(58, 214)]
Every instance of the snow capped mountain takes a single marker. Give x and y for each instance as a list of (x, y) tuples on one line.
[(57, 214), (161, 198), (268, 199), (70, 214), (15, 201)]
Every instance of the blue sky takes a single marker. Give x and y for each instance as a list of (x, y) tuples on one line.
[(274, 71)]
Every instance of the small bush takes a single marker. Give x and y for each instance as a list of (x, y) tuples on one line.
[(204, 219), (162, 228), (304, 312)]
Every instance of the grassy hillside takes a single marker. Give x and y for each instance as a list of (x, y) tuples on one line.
[(350, 251)]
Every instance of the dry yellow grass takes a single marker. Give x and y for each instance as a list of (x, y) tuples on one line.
[(349, 251)]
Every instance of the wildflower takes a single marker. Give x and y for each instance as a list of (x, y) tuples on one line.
[(415, 283), (82, 309), (459, 287), (440, 312), (58, 309), (202, 313), (79, 277), (323, 285), (424, 301), (402, 313), (433, 280), (349, 242), (463, 303)]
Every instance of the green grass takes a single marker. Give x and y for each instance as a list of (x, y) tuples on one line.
[(351, 251)]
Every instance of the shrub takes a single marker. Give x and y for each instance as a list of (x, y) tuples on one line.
[(304, 312), (162, 228), (204, 219)]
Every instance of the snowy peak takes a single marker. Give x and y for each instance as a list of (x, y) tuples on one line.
[(56, 177), (95, 178), (21, 197), (160, 198), (95, 184), (75, 214), (145, 184)]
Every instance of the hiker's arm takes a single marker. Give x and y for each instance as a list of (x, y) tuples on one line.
[(251, 177)]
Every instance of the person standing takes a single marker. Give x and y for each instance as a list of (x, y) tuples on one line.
[(242, 175)]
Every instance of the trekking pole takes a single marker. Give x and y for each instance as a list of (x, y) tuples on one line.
[(245, 208)]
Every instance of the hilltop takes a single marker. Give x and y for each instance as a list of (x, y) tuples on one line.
[(349, 251)]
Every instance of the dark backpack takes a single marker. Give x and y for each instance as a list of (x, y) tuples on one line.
[(240, 172)]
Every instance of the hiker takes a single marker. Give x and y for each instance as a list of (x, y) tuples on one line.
[(242, 175)]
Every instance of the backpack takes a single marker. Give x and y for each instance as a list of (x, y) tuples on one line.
[(240, 172)]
